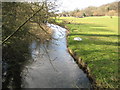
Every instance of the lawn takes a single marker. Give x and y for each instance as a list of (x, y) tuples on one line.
[(98, 48)]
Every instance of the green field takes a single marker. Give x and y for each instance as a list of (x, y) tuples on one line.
[(98, 48)]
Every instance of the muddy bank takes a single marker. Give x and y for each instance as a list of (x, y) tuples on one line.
[(84, 67)]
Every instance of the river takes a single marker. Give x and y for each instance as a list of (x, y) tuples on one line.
[(52, 66)]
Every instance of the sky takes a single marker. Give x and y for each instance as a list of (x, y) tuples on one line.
[(70, 5)]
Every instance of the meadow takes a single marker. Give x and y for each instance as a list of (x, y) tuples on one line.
[(98, 48)]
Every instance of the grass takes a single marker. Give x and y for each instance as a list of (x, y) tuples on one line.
[(98, 48)]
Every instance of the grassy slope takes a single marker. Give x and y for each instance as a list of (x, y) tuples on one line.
[(99, 47)]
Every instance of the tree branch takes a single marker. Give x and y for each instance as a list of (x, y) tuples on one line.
[(22, 25)]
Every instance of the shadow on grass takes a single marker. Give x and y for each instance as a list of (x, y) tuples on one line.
[(89, 27), (92, 38), (96, 42), (88, 24), (99, 35)]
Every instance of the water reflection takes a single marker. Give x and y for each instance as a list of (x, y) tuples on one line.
[(14, 56), (52, 66)]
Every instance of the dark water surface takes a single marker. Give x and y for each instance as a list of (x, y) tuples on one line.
[(52, 66)]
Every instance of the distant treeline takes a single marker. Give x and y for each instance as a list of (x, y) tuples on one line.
[(110, 9)]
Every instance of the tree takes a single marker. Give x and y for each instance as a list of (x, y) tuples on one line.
[(18, 17), (84, 15)]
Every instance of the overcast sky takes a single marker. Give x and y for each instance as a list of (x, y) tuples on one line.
[(69, 5)]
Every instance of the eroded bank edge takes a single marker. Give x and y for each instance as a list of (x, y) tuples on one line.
[(81, 64)]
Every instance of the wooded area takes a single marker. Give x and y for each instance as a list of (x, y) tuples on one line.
[(110, 9)]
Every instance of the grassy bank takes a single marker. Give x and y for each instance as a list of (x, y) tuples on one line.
[(98, 48)]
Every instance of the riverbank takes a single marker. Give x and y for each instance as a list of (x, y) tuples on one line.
[(78, 60), (98, 48), (82, 65)]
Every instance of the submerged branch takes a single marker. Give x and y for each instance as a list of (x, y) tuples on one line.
[(50, 58)]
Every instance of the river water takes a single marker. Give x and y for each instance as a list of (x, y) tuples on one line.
[(52, 66)]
